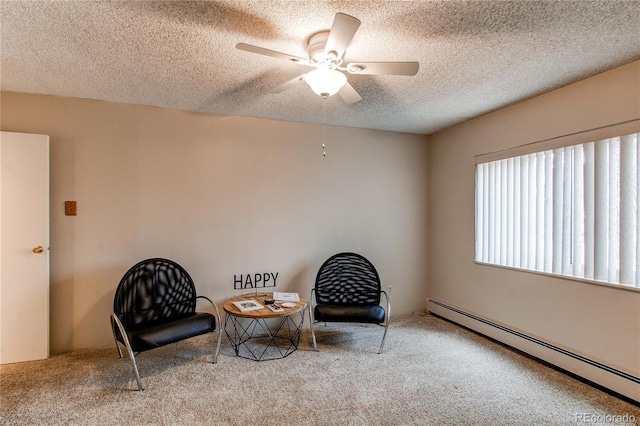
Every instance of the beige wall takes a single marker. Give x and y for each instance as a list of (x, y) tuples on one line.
[(600, 322), (221, 196)]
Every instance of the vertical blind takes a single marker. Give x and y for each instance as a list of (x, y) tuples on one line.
[(569, 211)]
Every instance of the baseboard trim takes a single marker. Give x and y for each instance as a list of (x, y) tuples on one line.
[(618, 381)]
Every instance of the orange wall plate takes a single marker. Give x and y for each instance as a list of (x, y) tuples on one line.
[(70, 208)]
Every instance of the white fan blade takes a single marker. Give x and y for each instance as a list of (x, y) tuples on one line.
[(262, 51), (287, 85), (389, 68), (342, 31), (349, 94)]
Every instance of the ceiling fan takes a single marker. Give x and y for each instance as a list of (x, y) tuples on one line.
[(326, 50)]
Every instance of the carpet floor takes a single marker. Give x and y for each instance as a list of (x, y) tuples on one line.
[(432, 372)]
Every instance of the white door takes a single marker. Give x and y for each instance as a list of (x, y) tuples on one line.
[(24, 247)]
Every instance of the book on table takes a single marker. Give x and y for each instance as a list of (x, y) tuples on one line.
[(280, 296), (248, 305), (275, 308)]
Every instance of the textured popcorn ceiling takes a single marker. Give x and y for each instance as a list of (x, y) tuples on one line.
[(475, 56)]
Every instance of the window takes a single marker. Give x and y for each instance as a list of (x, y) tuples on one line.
[(568, 210)]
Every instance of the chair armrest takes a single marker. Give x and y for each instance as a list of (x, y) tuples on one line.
[(219, 326), (312, 299), (218, 319), (116, 323), (388, 310), (312, 304)]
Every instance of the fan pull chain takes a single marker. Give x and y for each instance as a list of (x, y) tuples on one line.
[(324, 126)]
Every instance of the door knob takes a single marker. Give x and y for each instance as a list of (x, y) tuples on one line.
[(38, 249)]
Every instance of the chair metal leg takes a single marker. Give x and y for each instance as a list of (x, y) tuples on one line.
[(384, 336), (115, 337), (387, 318), (129, 351), (313, 333), (215, 355), (135, 367), (218, 326)]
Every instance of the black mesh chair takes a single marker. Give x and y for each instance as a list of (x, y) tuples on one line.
[(155, 305), (348, 289)]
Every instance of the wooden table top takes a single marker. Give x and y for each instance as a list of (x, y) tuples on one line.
[(265, 312)]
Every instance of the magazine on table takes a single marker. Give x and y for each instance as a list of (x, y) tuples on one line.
[(248, 305), (280, 296), (275, 308)]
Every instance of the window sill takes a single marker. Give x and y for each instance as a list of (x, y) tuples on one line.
[(564, 277)]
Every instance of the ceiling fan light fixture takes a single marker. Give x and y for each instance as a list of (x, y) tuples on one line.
[(325, 81)]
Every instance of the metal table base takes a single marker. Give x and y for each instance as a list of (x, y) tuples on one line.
[(263, 339)]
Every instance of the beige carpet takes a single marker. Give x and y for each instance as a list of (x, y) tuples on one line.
[(431, 373)]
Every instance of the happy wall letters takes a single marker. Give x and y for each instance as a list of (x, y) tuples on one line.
[(242, 281)]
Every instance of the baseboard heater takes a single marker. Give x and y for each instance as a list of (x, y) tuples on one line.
[(621, 382)]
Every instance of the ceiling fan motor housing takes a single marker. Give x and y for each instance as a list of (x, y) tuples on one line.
[(315, 49)]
